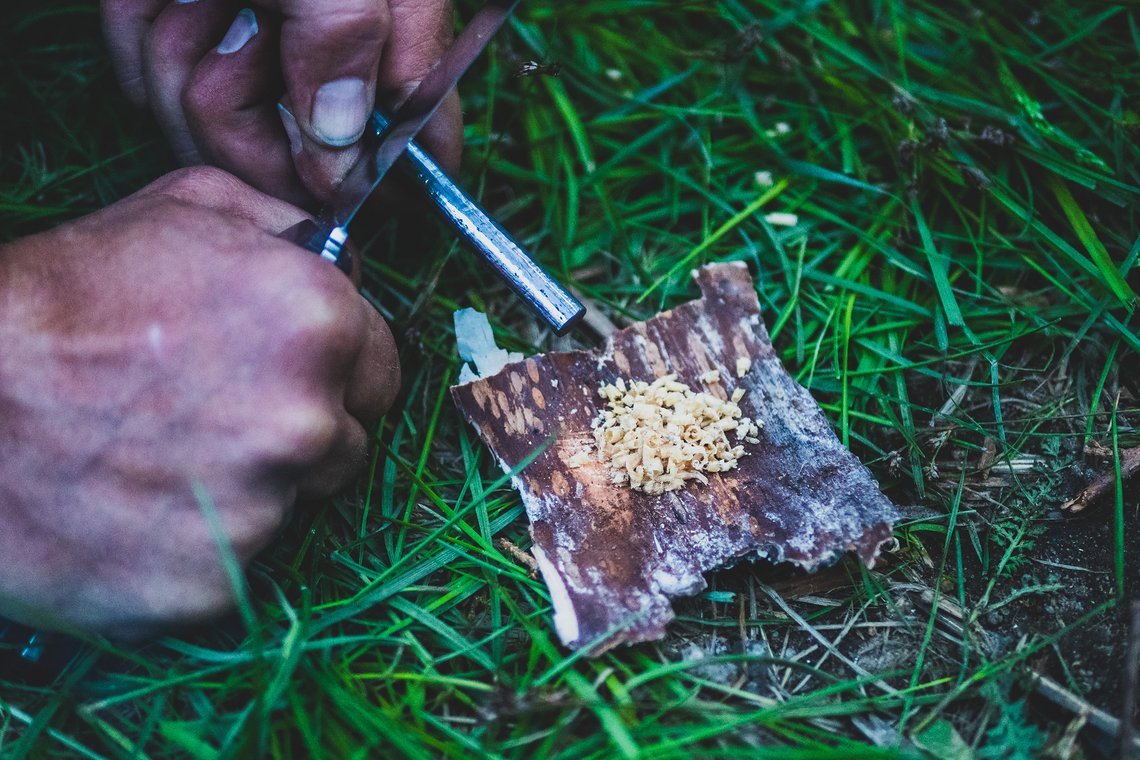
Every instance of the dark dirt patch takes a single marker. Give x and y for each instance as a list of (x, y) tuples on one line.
[(1036, 612), (1089, 660)]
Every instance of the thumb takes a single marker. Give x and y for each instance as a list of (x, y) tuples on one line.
[(330, 53)]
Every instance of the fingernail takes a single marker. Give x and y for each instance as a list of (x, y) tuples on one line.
[(340, 112), (242, 30), (292, 130)]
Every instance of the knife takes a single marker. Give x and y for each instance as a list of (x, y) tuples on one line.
[(388, 140)]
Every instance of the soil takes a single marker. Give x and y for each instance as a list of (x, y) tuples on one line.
[(1073, 553)]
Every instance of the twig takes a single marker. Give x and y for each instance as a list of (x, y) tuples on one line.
[(512, 550), (954, 401), (827, 645), (1067, 700), (1101, 484)]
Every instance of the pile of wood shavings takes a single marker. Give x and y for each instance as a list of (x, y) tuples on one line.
[(658, 436)]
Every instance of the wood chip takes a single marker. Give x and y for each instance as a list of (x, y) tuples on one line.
[(613, 557), (660, 436)]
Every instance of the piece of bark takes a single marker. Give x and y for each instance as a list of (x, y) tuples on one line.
[(613, 557)]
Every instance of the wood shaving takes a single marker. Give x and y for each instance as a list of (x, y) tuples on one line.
[(781, 219), (658, 436), (581, 459)]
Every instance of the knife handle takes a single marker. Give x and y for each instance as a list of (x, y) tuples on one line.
[(33, 657), (326, 240), (485, 237)]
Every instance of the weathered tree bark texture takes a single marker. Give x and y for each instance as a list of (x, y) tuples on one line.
[(613, 557)]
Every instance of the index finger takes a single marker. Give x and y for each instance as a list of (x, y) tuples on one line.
[(220, 191)]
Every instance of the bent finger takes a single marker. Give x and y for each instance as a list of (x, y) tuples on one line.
[(374, 379), (125, 24), (177, 40), (230, 106), (340, 465), (330, 52)]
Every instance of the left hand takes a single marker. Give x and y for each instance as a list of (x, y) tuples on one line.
[(169, 349), (214, 72)]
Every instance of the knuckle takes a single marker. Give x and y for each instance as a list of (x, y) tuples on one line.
[(335, 472), (204, 600), (194, 568), (194, 182), (303, 432), (319, 312), (313, 318), (421, 53), (167, 38), (189, 592), (251, 528), (361, 21)]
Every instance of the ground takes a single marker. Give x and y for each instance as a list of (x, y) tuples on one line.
[(956, 289)]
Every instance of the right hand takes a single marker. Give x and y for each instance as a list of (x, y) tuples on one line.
[(166, 349), (213, 74)]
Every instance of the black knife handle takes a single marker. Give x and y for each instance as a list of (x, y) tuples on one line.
[(326, 240), (31, 656)]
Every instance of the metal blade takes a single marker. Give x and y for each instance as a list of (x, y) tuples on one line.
[(380, 151)]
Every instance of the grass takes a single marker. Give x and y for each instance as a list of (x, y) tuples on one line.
[(959, 294)]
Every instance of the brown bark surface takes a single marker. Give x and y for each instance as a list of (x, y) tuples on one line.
[(613, 557)]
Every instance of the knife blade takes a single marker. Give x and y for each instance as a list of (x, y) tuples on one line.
[(327, 235)]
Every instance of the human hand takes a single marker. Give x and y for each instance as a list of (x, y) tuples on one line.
[(213, 73), (167, 346)]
